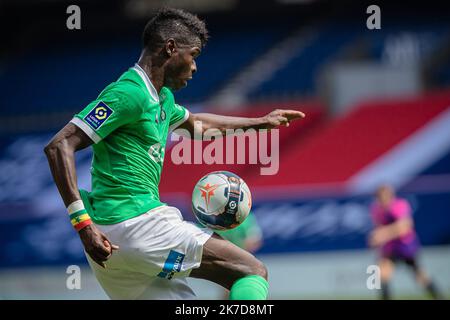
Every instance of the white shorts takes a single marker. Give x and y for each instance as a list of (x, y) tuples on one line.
[(157, 251)]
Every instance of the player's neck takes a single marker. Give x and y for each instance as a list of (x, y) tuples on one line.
[(154, 73)]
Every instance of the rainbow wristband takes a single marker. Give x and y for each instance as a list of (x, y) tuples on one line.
[(78, 215)]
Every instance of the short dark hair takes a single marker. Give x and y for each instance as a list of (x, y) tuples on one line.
[(173, 23)]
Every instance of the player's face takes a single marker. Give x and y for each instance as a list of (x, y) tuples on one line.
[(385, 196), (181, 66)]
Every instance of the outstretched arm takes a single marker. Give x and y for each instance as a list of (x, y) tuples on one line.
[(218, 124), (60, 153)]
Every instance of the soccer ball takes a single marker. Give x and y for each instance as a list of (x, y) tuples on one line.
[(221, 200)]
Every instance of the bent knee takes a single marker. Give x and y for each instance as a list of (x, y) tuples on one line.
[(243, 269)]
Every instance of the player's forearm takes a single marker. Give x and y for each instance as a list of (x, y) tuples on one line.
[(397, 229), (224, 123), (402, 227), (61, 159)]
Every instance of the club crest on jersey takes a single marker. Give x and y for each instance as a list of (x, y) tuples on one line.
[(98, 115), (161, 117)]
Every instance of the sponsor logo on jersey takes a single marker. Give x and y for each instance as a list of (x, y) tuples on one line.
[(156, 152), (173, 264), (98, 115)]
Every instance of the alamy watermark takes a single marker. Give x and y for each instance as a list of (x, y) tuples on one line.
[(228, 146), (73, 21), (73, 281), (374, 20), (373, 281)]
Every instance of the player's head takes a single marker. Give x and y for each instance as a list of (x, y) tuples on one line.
[(174, 38), (385, 194)]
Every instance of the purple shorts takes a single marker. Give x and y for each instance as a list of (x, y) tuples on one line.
[(400, 250)]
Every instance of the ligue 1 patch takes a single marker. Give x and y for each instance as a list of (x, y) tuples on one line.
[(163, 114), (98, 115)]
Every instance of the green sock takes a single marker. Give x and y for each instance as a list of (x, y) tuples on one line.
[(251, 287)]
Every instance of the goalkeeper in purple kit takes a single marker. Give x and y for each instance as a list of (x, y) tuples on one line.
[(396, 240)]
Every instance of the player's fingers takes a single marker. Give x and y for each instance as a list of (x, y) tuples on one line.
[(102, 257), (293, 114), (282, 120), (97, 259), (373, 242), (109, 244), (274, 123), (103, 251)]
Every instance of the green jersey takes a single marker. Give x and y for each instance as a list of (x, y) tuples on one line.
[(129, 123)]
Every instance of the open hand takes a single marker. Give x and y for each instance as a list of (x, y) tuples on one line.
[(280, 117), (96, 244)]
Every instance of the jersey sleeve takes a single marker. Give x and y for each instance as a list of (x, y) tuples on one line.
[(178, 116), (402, 209), (111, 110)]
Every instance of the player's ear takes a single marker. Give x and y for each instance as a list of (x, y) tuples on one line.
[(170, 47)]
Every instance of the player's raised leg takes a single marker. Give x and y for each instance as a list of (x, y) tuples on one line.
[(234, 269)]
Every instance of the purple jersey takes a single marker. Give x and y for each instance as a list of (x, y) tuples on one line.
[(404, 246)]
